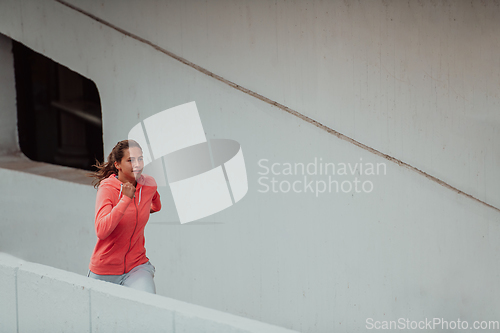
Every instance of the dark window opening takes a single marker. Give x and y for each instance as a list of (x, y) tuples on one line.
[(58, 112)]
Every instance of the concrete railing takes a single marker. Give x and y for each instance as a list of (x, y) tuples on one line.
[(38, 298)]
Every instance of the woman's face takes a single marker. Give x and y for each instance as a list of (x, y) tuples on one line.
[(131, 165)]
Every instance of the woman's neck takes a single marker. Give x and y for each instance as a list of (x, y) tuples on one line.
[(124, 180)]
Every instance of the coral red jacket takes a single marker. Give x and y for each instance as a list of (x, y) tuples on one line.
[(120, 223)]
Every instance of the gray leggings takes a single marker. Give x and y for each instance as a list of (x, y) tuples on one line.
[(139, 277)]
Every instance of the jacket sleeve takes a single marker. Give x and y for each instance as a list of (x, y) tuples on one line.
[(107, 216), (156, 203)]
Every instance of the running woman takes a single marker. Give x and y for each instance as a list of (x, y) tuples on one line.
[(125, 199)]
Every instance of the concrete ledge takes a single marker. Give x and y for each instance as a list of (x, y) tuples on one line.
[(19, 162), (128, 312), (8, 306), (50, 300), (42, 298)]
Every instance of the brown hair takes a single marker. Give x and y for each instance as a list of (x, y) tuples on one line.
[(104, 170)]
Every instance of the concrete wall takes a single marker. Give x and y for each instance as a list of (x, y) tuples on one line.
[(411, 248), (8, 115), (38, 298), (417, 80), (47, 220)]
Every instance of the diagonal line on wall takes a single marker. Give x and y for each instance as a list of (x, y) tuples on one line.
[(278, 105)]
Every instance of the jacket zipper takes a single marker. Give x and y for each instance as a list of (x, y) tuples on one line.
[(130, 241)]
